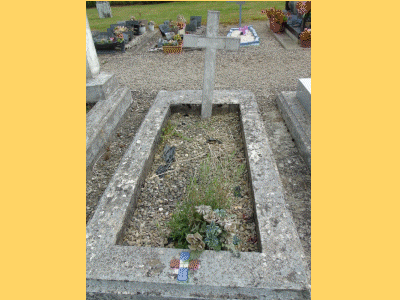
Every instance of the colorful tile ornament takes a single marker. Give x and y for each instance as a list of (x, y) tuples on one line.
[(183, 265), (194, 264), (185, 256), (174, 264)]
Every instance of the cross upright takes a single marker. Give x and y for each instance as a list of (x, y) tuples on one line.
[(211, 42)]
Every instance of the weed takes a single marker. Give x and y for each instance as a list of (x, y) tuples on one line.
[(167, 131), (209, 188), (178, 134)]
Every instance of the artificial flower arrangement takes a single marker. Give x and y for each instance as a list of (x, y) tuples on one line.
[(104, 40), (305, 35), (303, 7), (118, 31), (275, 15)]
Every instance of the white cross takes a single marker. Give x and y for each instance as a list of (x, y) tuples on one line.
[(211, 42)]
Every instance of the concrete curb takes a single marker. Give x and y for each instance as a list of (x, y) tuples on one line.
[(102, 119), (285, 40), (298, 121)]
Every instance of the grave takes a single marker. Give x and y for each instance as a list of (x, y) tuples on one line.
[(296, 111), (128, 272), (111, 101), (250, 39), (211, 42), (104, 9)]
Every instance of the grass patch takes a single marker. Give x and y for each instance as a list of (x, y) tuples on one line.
[(211, 186), (166, 11)]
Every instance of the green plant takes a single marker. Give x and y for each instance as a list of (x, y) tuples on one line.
[(178, 134), (177, 37), (167, 131), (206, 189), (170, 43)]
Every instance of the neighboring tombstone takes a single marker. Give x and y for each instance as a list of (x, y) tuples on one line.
[(164, 29), (99, 85), (198, 20), (211, 42), (192, 26), (104, 9), (291, 6), (240, 3)]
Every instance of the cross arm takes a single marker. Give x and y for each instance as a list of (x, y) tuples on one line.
[(226, 43)]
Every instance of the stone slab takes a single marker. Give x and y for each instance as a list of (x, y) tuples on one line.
[(128, 272), (298, 122), (304, 93), (285, 40), (102, 120), (100, 87)]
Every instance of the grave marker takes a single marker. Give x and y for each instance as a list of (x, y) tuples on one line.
[(104, 9), (240, 10), (112, 101), (211, 42), (92, 61)]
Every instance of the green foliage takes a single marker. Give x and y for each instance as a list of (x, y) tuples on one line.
[(167, 131)]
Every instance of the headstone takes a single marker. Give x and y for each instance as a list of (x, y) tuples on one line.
[(211, 42), (240, 3), (131, 24), (113, 26), (198, 20), (192, 26), (164, 29), (104, 9), (291, 6)]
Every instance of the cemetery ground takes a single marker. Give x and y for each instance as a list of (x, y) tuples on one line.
[(263, 70)]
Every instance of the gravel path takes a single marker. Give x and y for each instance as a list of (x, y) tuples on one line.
[(263, 69)]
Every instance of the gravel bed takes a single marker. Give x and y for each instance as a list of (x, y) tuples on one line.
[(217, 141), (263, 69)]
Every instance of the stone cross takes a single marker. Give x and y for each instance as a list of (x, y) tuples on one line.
[(92, 61), (211, 42), (104, 9)]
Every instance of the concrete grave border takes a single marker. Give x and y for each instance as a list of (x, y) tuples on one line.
[(128, 272)]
